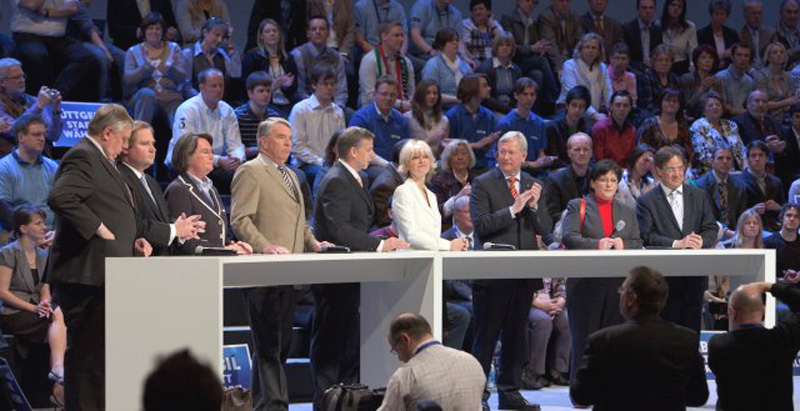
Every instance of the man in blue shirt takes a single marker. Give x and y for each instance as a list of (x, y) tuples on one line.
[(524, 120), (427, 18), (388, 125), (26, 176), (471, 121)]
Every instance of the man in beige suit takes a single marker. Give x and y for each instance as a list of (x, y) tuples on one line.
[(268, 212)]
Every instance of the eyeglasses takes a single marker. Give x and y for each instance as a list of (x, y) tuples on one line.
[(674, 170)]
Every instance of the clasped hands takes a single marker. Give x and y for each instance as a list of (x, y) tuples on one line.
[(528, 197), (692, 241), (609, 243)]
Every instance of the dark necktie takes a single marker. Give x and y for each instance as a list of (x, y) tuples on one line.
[(722, 187), (288, 181)]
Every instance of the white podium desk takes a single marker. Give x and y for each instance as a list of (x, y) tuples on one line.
[(155, 306)]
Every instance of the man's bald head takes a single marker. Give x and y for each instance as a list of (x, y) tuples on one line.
[(746, 305)]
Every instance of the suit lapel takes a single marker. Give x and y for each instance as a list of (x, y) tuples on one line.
[(126, 191), (161, 205), (688, 201), (276, 175), (666, 209), (362, 191)]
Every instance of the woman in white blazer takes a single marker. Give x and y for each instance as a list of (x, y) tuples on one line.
[(414, 207)]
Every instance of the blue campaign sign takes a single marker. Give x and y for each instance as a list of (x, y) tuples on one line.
[(75, 117), (236, 366)]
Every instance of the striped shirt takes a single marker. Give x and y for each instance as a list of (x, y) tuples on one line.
[(249, 121)]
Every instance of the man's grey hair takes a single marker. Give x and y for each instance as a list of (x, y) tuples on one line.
[(6, 64), (266, 126), (515, 135), (112, 116)]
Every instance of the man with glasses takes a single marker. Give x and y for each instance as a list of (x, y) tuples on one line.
[(14, 102), (677, 215)]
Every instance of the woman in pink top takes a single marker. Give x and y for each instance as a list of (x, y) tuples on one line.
[(621, 78)]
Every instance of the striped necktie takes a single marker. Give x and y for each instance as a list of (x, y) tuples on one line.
[(288, 181)]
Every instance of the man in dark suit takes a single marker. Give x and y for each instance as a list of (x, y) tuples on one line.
[(677, 215), (343, 215), (596, 21), (382, 189), (727, 193), (507, 206), (642, 35), (754, 32), (125, 19), (786, 150), (764, 191), (755, 124), (645, 363), (752, 359), (572, 180)]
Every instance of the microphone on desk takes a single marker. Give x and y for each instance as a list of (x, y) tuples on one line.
[(214, 251), (498, 246), (618, 227)]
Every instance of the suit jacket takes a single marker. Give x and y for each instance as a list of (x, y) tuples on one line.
[(738, 356), (381, 190), (489, 208), (562, 43), (755, 195), (513, 24), (642, 364), (22, 284), (611, 33), (729, 35), (657, 221), (87, 191), (558, 133), (588, 239), (786, 163), (154, 216), (417, 218), (562, 188), (737, 197), (749, 129), (766, 36), (124, 20), (633, 38), (343, 212), (184, 196), (344, 21), (264, 211)]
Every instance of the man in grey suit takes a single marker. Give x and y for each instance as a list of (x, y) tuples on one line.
[(596, 21), (727, 193), (754, 32), (677, 215)]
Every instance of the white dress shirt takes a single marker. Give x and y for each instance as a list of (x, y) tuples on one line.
[(194, 116), (313, 125)]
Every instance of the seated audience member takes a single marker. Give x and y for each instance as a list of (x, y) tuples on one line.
[(207, 113), (587, 68), (548, 320), (126, 17), (531, 51), (524, 120), (561, 27), (717, 34), (330, 158), (642, 35), (255, 110), (764, 191), (667, 127), (614, 136), (271, 56), (28, 312), (621, 78), (727, 193), (456, 293), (794, 191), (291, 16), (446, 68), (473, 122), (341, 21), (452, 182), (431, 371), (370, 15), (750, 349), (502, 74), (193, 193), (780, 86), (788, 31), (180, 381), (14, 102), (754, 31), (735, 81), (785, 243), (639, 177), (387, 231), (679, 34), (755, 124), (426, 120), (572, 180), (480, 31), (712, 131), (39, 31), (192, 16), (786, 150), (749, 235), (657, 79), (26, 175), (700, 80), (595, 20), (426, 19), (314, 120), (387, 59), (382, 119), (593, 223), (214, 49), (381, 188), (155, 72), (574, 120), (317, 52), (645, 362)]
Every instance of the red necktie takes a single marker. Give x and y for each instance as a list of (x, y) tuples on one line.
[(513, 180)]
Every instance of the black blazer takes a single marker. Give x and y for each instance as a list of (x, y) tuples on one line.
[(749, 129), (154, 216), (88, 191), (755, 195), (633, 38), (293, 36), (183, 196), (574, 239), (343, 212), (557, 131), (381, 190), (787, 166), (561, 188), (729, 36), (642, 364), (737, 197), (124, 20), (758, 360), (657, 222), (256, 60), (493, 102)]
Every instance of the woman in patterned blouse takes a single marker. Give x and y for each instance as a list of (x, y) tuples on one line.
[(712, 131)]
